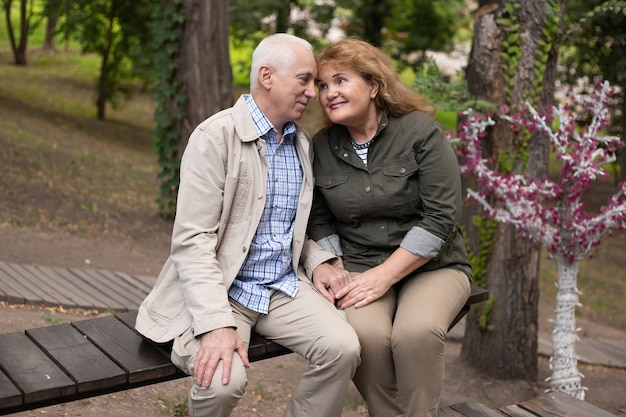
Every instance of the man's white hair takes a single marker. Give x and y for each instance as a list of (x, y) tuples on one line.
[(275, 50)]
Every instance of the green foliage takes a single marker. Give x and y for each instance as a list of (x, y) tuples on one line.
[(552, 10), (171, 99), (413, 27), (485, 232), (178, 406), (404, 28), (117, 31), (252, 21), (511, 45), (51, 318), (443, 92), (478, 257), (595, 41), (484, 311), (240, 58), (610, 7)]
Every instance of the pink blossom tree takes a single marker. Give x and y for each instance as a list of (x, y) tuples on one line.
[(552, 213)]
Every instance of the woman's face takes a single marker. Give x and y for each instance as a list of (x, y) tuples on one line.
[(345, 96)]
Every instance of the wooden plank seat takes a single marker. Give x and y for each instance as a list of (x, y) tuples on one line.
[(86, 358)]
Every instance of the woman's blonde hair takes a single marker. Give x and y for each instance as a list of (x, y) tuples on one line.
[(374, 65)]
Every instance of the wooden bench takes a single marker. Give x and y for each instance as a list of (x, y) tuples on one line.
[(70, 361)]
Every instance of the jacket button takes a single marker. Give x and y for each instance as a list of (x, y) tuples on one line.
[(367, 189)]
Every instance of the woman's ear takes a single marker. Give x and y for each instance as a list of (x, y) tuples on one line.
[(374, 87)]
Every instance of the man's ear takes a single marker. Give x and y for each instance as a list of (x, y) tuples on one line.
[(265, 76)]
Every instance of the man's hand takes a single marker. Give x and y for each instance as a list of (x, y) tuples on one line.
[(215, 346), (329, 279)]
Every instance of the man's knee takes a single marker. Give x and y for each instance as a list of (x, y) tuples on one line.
[(341, 347), (216, 400)]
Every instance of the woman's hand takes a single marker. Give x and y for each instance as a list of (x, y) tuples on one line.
[(374, 283), (364, 288)]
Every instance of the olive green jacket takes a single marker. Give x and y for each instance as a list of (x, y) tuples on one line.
[(408, 195)]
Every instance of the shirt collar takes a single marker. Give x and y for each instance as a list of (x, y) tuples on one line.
[(263, 126)]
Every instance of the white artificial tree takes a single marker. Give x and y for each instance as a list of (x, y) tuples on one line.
[(552, 213)]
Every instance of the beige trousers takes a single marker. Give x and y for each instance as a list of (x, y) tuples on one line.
[(402, 339), (308, 325)]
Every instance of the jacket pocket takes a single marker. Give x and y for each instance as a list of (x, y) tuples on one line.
[(329, 181), (236, 195)]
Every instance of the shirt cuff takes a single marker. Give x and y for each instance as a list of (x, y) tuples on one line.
[(420, 242), (331, 244)]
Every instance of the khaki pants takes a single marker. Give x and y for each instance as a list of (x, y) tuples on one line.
[(308, 325), (402, 337)]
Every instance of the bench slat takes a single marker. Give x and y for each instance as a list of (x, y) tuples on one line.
[(9, 393), (474, 409), (84, 362), (34, 373), (562, 404), (128, 349)]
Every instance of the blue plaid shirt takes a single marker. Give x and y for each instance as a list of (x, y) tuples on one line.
[(268, 264)]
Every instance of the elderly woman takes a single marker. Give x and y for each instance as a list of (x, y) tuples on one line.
[(387, 201)]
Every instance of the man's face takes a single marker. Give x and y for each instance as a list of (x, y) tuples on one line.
[(294, 89)]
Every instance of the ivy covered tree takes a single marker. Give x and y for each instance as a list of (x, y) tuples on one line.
[(512, 61), (194, 80)]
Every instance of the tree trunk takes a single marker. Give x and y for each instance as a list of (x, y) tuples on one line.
[(502, 70), (283, 15), (49, 43), (103, 82), (204, 63), (18, 49)]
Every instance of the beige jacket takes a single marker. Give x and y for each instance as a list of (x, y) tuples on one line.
[(220, 202)]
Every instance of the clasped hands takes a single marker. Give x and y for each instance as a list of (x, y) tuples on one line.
[(341, 288)]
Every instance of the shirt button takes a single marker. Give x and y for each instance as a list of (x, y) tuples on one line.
[(367, 189), (382, 228), (402, 170), (259, 196)]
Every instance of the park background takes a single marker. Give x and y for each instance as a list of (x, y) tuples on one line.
[(80, 190)]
